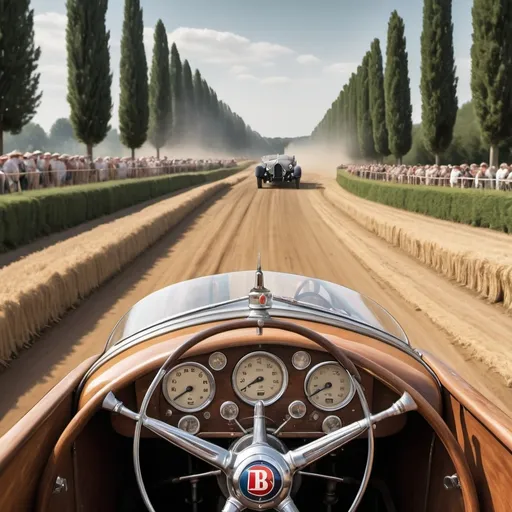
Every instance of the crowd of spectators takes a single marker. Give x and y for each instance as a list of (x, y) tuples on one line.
[(480, 176), (30, 171)]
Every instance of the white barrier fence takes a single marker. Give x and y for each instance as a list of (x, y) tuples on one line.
[(442, 181), (33, 180)]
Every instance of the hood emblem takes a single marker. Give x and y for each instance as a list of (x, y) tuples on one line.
[(260, 298)]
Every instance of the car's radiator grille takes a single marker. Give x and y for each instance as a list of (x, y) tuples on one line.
[(278, 171)]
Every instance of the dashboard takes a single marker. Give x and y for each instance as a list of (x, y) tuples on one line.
[(306, 394)]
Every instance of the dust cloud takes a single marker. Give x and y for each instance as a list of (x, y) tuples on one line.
[(318, 158)]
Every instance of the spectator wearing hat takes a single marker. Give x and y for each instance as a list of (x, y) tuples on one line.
[(501, 176), (12, 171), (3, 179)]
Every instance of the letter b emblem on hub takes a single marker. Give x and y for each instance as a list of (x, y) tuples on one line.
[(260, 481)]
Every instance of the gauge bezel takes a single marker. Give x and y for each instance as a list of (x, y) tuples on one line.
[(225, 361), (210, 377), (339, 406), (298, 367), (328, 418), (277, 360), (188, 416)]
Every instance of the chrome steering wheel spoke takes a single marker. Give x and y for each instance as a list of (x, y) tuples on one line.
[(200, 448), (287, 506), (233, 505), (309, 453)]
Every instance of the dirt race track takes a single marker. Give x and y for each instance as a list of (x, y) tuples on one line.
[(296, 231)]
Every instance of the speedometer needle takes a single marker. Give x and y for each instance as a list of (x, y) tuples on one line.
[(328, 385), (188, 389), (255, 381)]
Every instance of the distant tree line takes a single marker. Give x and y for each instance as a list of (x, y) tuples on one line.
[(371, 119), (164, 103)]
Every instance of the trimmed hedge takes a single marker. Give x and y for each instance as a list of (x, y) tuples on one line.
[(483, 208), (25, 217)]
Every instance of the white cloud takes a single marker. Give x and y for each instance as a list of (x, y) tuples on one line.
[(307, 59), (276, 80), (341, 68), (207, 45), (239, 70), (246, 77), (50, 34)]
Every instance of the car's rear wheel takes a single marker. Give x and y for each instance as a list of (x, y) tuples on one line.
[(260, 182), (297, 182)]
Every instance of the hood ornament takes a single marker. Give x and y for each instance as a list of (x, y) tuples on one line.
[(260, 298)]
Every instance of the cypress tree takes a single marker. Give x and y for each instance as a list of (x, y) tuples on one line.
[(19, 81), (200, 107), (438, 81), (89, 76), (364, 120), (397, 90), (178, 127), (188, 101), (377, 100), (134, 98), (354, 139), (341, 118), (491, 71), (160, 104), (207, 115)]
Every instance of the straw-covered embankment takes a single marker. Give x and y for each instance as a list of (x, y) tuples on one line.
[(479, 259), (37, 290), (33, 214)]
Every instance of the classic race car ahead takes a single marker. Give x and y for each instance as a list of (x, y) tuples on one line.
[(278, 168)]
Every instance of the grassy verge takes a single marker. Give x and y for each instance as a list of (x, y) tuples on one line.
[(31, 215), (486, 209)]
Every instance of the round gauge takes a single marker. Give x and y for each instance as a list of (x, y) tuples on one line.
[(301, 360), (189, 387), (229, 411), (260, 376), (328, 386), (217, 361), (297, 410), (189, 424), (330, 424)]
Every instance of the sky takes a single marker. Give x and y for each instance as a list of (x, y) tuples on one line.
[(279, 64)]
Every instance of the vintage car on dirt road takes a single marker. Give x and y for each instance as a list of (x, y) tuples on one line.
[(242, 391), (278, 168)]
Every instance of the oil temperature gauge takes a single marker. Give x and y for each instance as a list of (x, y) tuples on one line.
[(189, 424)]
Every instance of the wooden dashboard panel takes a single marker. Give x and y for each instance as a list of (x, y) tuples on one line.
[(213, 425)]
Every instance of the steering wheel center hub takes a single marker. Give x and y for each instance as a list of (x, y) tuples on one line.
[(262, 479)]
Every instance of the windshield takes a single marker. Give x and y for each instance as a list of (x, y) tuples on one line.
[(180, 298)]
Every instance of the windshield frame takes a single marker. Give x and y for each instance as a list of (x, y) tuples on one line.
[(340, 293)]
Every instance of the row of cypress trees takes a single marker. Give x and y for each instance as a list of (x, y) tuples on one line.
[(372, 116), (174, 107)]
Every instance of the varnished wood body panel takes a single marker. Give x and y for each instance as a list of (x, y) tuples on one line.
[(25, 449), (485, 435)]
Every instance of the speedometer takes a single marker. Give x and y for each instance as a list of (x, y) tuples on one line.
[(328, 386), (260, 376), (189, 387)]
